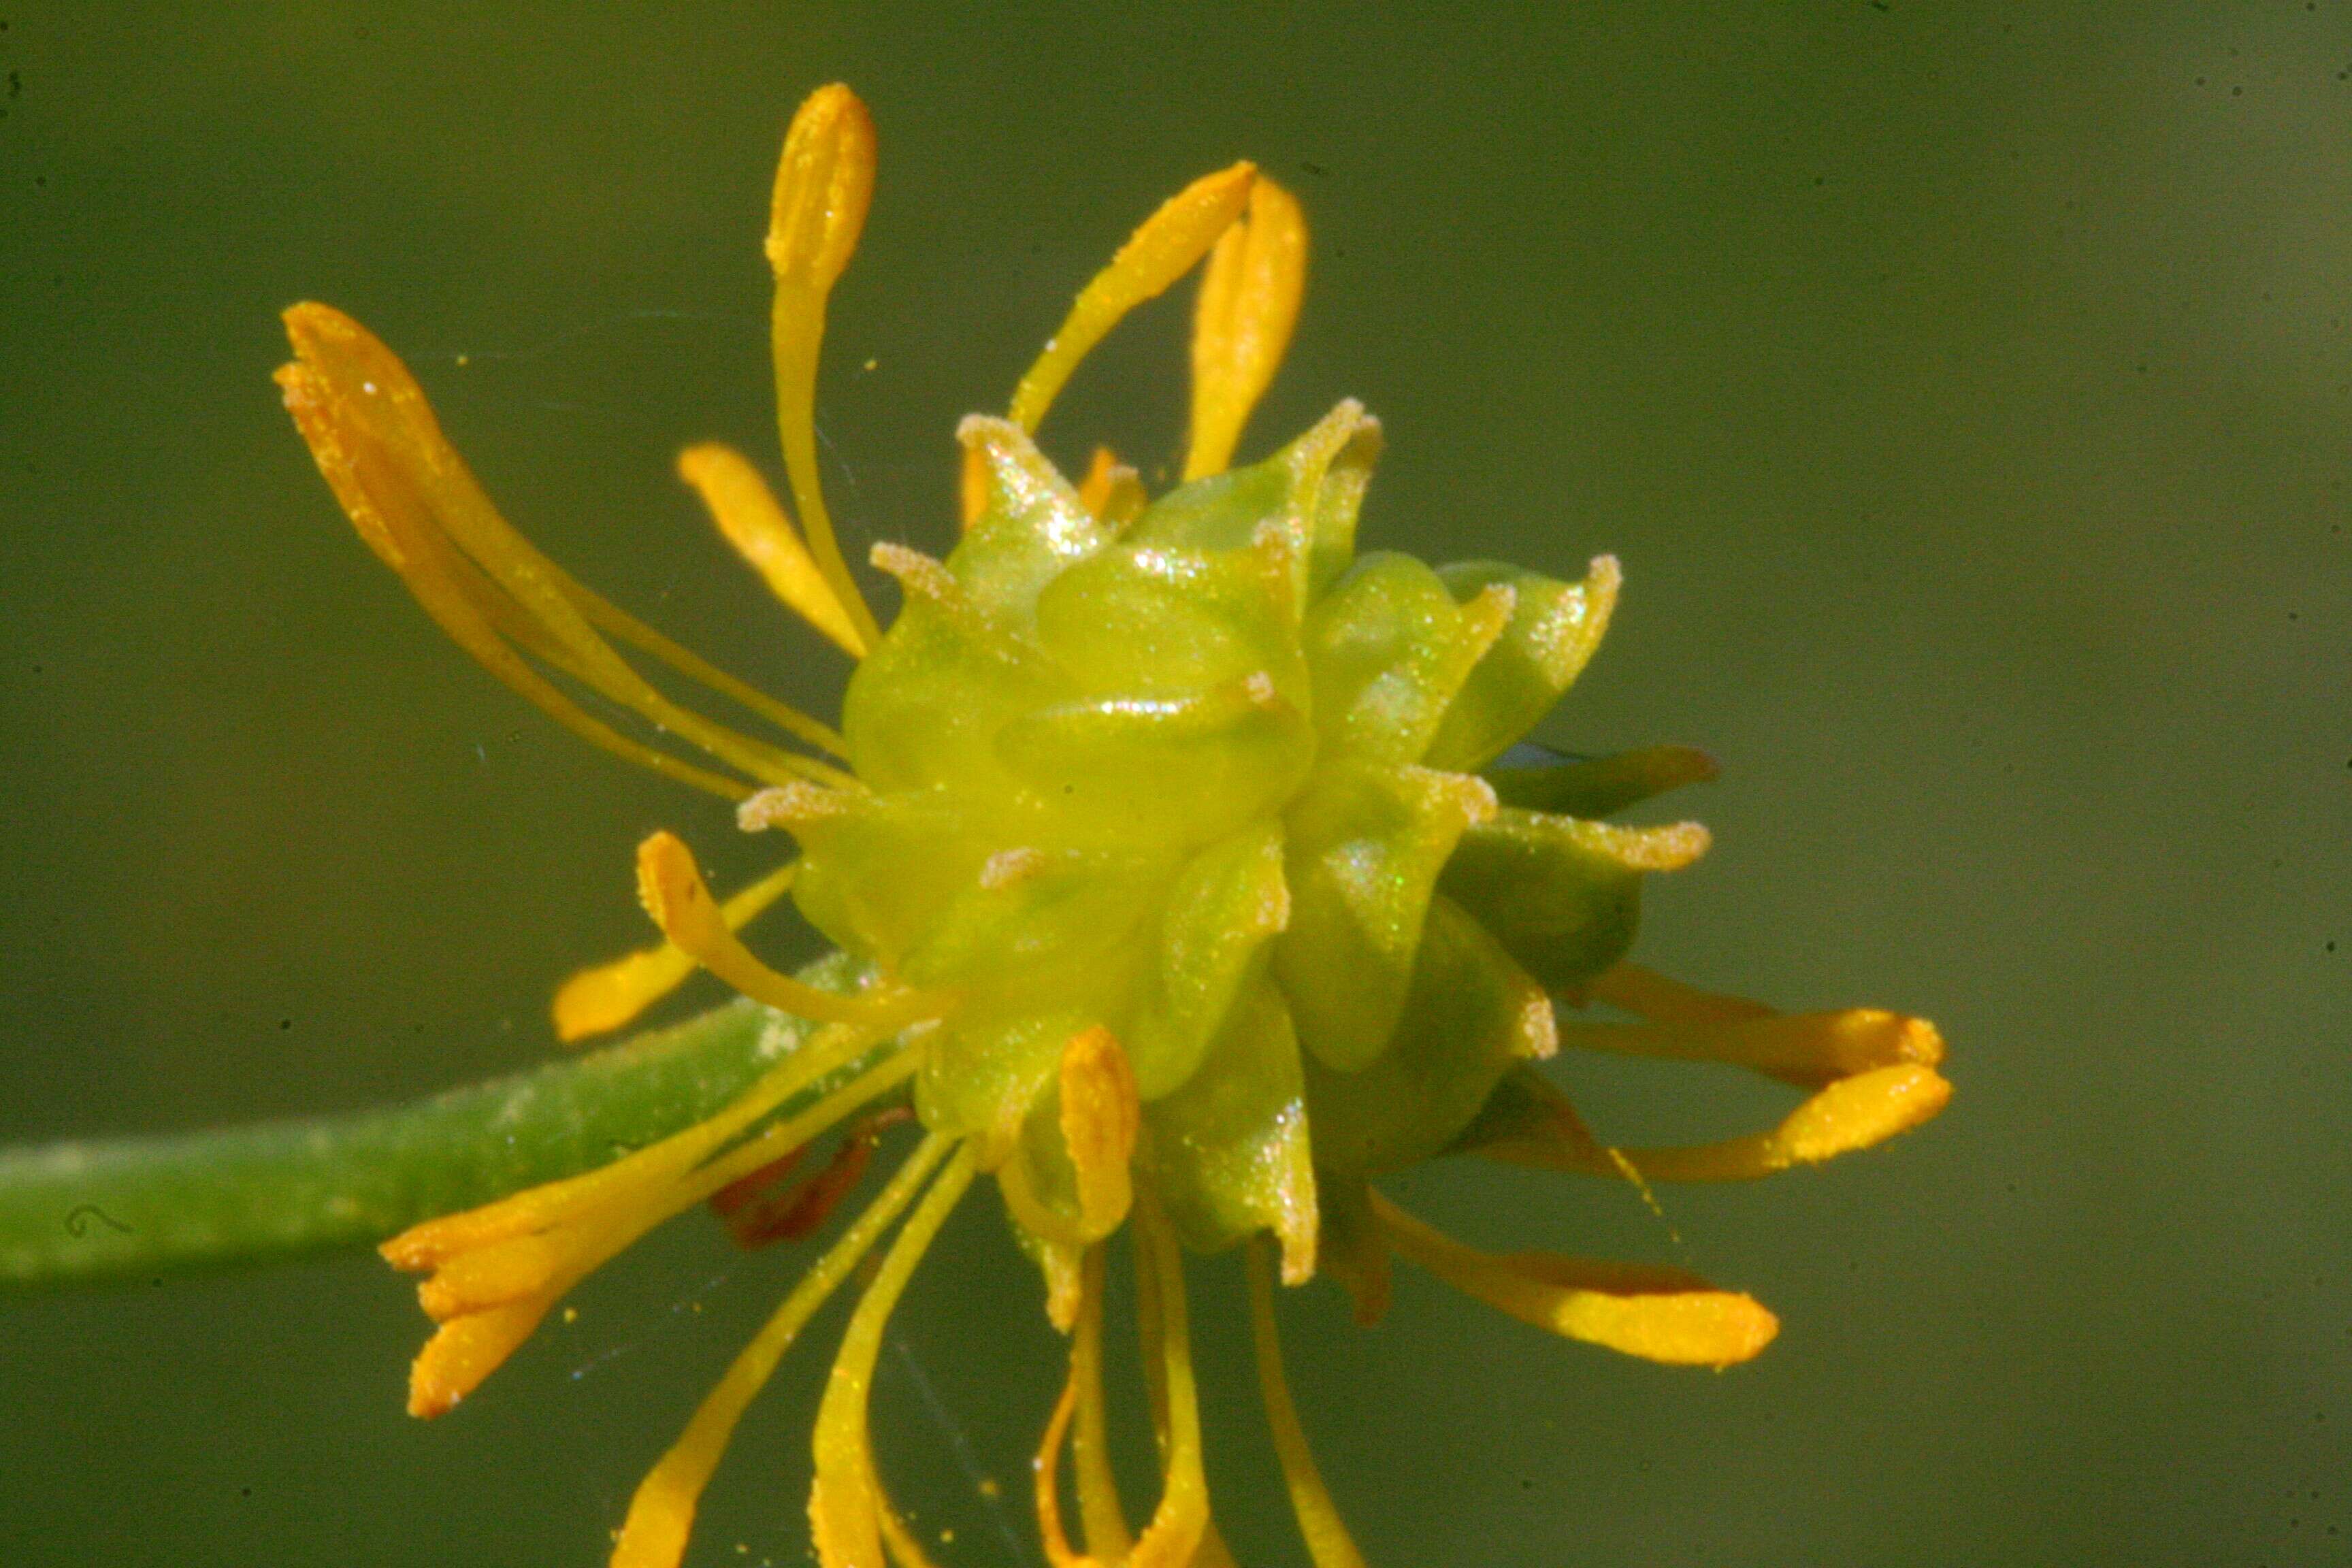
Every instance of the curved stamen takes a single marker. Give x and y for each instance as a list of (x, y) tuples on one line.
[(825, 182), (661, 1514), (671, 887), (845, 1505), (599, 1000), (751, 519), (1328, 1541)]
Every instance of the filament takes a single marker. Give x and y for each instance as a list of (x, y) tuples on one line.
[(1328, 1541), (599, 1000)]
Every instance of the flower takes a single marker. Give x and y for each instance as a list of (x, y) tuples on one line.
[(1184, 876)]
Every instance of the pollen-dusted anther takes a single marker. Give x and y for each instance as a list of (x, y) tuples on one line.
[(1658, 1314), (1101, 1118), (599, 1000), (1241, 327), (670, 886), (753, 521)]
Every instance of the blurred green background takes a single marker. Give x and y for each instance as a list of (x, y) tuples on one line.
[(1965, 388)]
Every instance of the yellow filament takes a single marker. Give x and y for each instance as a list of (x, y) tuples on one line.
[(1248, 305), (1646, 993), (825, 182), (1160, 251), (1109, 1539), (1661, 1315), (418, 507), (1808, 1050), (671, 887), (1101, 1118), (1112, 491), (599, 1000), (1151, 1341), (1328, 1541), (1045, 1481), (845, 1505), (661, 1515), (1181, 1519), (753, 521)]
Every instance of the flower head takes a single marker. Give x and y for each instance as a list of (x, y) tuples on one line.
[(1184, 876)]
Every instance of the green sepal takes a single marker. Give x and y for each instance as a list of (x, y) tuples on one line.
[(1184, 770), (1230, 1148), (1388, 649), (1526, 1109), (1472, 1014), (1226, 905), (1553, 630), (1365, 845), (1599, 787), (1562, 895)]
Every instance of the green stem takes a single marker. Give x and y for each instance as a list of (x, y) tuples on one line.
[(107, 1210)]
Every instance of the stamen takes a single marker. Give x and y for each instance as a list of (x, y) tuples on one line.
[(496, 1271), (824, 184), (1658, 1314), (845, 1506), (1328, 1541), (1810, 1050), (412, 499), (1850, 1114), (597, 1001), (1150, 1332), (1101, 1118), (1111, 490), (1182, 1517), (1160, 251), (757, 1215), (1242, 325), (661, 1515), (747, 512), (671, 889), (1646, 993)]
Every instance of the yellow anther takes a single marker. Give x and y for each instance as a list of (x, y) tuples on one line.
[(824, 184), (417, 505), (1248, 305), (597, 1001), (1658, 1314), (1100, 1117), (748, 513), (1159, 252), (671, 889)]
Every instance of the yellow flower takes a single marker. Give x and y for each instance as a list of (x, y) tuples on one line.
[(1183, 882)]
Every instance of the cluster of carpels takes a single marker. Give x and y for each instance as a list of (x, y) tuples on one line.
[(1179, 887)]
